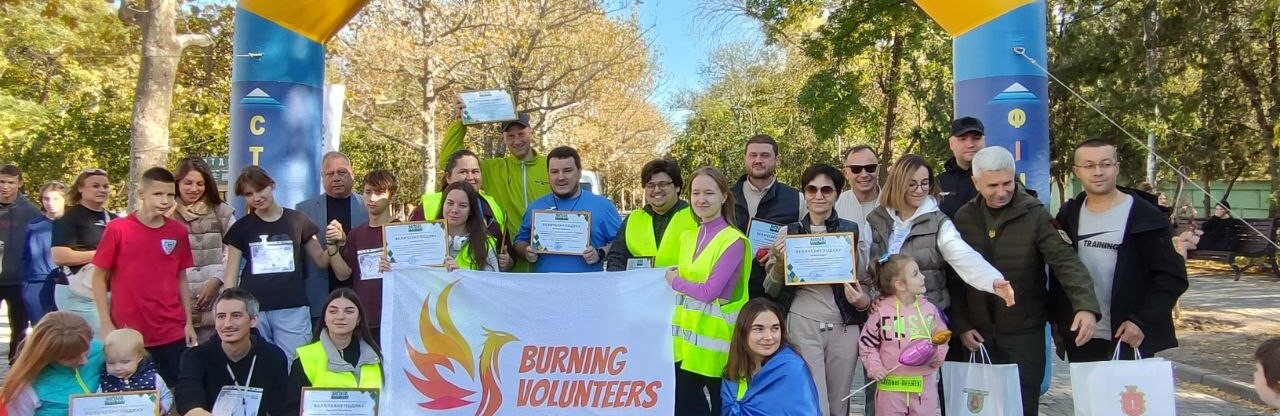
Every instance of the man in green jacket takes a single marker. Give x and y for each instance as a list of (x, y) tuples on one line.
[(1016, 234), (513, 180)]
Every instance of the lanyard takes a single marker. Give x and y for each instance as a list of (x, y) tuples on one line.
[(900, 327), (248, 379), (81, 381)]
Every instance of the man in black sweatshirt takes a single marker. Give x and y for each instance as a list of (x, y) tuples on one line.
[(240, 359)]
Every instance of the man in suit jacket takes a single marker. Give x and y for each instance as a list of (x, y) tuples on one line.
[(337, 205)]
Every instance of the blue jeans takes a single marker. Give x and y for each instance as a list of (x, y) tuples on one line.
[(38, 297)]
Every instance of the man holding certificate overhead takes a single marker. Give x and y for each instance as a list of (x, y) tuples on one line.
[(762, 205), (514, 180), (650, 237), (811, 272), (567, 231)]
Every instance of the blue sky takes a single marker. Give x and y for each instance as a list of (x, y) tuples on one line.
[(681, 43)]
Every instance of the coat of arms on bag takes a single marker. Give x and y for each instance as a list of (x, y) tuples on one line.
[(1133, 402), (977, 399), (168, 246)]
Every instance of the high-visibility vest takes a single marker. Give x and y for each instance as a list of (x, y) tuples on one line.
[(464, 255), (703, 330), (315, 363), (431, 208), (640, 239)]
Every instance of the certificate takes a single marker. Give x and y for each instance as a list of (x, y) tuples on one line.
[(820, 258), (132, 403), (369, 260), (338, 402), (487, 106), (421, 243), (636, 263), (271, 256), (761, 233), (560, 232), (237, 401)]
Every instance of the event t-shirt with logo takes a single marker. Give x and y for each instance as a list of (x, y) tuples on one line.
[(145, 265), (274, 256), (362, 254), (1099, 241), (80, 229)]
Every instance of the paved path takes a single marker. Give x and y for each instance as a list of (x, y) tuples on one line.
[(1256, 296)]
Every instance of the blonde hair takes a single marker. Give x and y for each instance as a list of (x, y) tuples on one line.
[(898, 184), (127, 338), (59, 336)]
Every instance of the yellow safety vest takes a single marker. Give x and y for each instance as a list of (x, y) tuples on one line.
[(703, 330), (640, 241), (315, 363), (464, 255), (431, 208)]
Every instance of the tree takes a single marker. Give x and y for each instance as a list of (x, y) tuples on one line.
[(153, 99)]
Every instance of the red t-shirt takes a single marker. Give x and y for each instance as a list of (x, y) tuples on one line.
[(145, 264)]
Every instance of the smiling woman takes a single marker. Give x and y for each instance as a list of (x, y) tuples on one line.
[(764, 375), (345, 339)]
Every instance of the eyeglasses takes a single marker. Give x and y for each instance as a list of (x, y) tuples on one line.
[(826, 190), (1105, 165), (922, 185), (657, 185), (93, 171), (857, 169)]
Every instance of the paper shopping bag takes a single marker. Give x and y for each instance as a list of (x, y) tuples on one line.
[(986, 389), (1123, 388)]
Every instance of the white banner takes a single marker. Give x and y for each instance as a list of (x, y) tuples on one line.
[(480, 343)]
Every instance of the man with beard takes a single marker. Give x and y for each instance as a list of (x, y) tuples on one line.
[(956, 182), (759, 195), (252, 367), (564, 168)]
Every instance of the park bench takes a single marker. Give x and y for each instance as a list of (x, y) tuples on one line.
[(1251, 245)]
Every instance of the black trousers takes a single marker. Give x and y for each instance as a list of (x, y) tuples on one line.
[(690, 399), (1026, 349), (167, 357), (12, 298), (1094, 350)]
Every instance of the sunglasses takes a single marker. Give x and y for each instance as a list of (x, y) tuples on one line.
[(857, 169), (813, 190)]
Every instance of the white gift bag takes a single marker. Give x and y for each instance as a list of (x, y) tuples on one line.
[(1123, 388), (981, 388)]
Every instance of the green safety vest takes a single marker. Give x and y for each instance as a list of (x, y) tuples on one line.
[(703, 330), (431, 208), (315, 363), (640, 239), (464, 255)]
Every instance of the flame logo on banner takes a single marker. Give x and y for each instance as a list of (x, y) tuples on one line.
[(445, 346)]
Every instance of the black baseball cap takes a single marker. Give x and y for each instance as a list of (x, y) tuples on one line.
[(963, 125), (522, 119)]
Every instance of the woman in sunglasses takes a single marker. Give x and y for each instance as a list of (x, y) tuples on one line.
[(824, 320)]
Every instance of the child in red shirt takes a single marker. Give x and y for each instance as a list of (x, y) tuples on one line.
[(145, 257)]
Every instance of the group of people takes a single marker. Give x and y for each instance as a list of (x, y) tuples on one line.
[(188, 295)]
